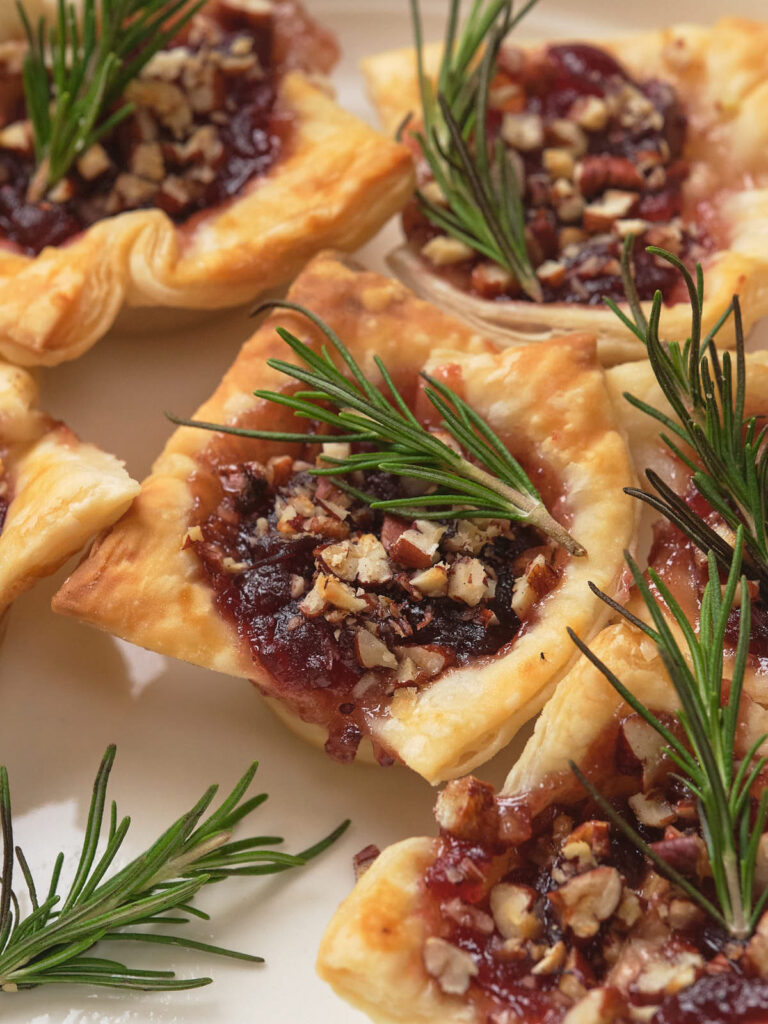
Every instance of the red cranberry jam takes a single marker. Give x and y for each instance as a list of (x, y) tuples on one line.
[(599, 156), (541, 912), (206, 123), (343, 606)]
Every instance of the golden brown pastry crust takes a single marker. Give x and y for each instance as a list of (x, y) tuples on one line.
[(721, 75), (62, 491), (337, 185), (376, 936), (140, 584)]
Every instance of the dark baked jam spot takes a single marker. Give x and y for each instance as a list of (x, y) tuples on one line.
[(344, 606), (600, 155), (534, 901), (206, 124)]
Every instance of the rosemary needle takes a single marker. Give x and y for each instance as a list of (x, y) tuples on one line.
[(482, 201), (708, 429), (77, 69), (493, 486), (51, 944), (706, 760)]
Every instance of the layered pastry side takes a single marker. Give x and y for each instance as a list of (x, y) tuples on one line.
[(56, 492), (433, 640), (607, 140), (531, 907), (233, 167)]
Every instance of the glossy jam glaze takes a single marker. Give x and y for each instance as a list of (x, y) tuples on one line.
[(252, 132), (552, 83), (312, 663)]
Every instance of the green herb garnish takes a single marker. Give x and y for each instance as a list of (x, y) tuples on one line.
[(709, 718), (708, 430), (77, 69), (480, 185), (50, 944), (494, 486)]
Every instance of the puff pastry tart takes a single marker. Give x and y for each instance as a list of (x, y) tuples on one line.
[(435, 640), (527, 909), (659, 136), (55, 492), (235, 167)]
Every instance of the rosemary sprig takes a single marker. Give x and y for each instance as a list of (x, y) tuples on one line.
[(482, 193), (50, 945), (709, 718), (76, 71), (708, 430), (494, 486)]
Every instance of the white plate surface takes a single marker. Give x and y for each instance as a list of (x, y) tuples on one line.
[(67, 691)]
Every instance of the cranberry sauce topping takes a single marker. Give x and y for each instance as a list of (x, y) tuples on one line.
[(536, 902), (206, 123), (718, 999), (600, 156), (343, 606)]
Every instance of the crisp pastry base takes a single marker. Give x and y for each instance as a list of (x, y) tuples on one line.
[(721, 76), (371, 952), (338, 183), (141, 585), (62, 491)]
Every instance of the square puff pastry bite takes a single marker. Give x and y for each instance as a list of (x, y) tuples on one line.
[(55, 491), (334, 181), (720, 77), (450, 930), (145, 581)]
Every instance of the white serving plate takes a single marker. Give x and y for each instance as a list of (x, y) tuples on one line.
[(67, 691)]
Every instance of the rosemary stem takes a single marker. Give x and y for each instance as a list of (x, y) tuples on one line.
[(175, 867), (534, 510), (738, 925)]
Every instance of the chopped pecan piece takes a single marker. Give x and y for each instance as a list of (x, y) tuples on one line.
[(452, 968), (467, 809), (513, 912), (595, 173), (587, 900)]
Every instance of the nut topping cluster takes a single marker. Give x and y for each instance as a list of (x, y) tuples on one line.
[(206, 122), (550, 904), (598, 158), (367, 568)]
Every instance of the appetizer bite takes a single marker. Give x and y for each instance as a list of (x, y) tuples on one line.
[(172, 153), (621, 874), (403, 567), (56, 493), (519, 227)]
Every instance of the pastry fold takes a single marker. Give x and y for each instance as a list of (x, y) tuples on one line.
[(336, 185), (548, 403), (62, 492), (720, 74)]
